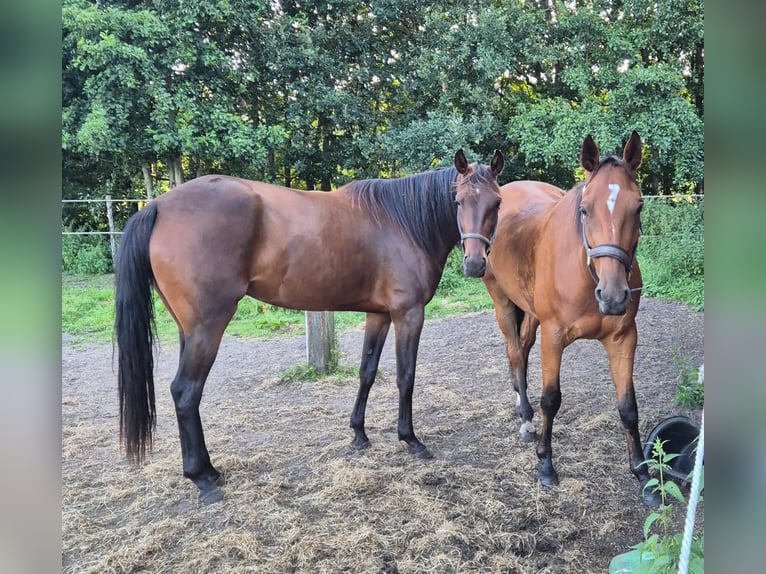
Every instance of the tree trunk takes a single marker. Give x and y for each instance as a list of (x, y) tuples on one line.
[(179, 171), (175, 171), (148, 181), (171, 174)]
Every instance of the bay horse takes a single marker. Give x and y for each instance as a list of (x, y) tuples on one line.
[(376, 245), (566, 262)]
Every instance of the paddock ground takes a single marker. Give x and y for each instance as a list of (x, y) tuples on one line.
[(299, 499)]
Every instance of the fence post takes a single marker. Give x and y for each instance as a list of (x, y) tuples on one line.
[(110, 220), (320, 339)]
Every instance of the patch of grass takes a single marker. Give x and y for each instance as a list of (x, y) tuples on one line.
[(87, 309), (340, 374)]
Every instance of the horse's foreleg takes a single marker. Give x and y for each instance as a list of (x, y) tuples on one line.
[(408, 327), (199, 349), (375, 332), (621, 351), (551, 349)]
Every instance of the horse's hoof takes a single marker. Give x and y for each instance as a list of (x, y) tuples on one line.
[(651, 499), (210, 496), (421, 452), (548, 479), (527, 437), (360, 444)]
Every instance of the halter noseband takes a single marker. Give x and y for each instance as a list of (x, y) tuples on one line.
[(464, 236), (606, 250)]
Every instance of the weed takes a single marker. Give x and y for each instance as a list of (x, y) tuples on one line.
[(659, 553), (690, 392)]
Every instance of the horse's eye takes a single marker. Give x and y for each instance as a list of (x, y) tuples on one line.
[(497, 204), (583, 212)]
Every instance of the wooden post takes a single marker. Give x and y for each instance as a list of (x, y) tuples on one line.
[(110, 220), (320, 339)]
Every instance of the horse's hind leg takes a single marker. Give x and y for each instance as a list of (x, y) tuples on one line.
[(520, 368), (551, 349), (519, 331), (375, 332), (199, 349), (408, 327), (621, 351)]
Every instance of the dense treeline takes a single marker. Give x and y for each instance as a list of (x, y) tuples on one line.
[(312, 94)]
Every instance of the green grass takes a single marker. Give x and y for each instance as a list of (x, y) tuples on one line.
[(87, 304)]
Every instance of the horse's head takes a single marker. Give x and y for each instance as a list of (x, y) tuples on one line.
[(478, 199), (610, 218)]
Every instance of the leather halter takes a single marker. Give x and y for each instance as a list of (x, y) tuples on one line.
[(464, 236), (606, 250)]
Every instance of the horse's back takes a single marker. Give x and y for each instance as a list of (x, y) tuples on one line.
[(522, 194)]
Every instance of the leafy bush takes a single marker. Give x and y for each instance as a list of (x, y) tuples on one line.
[(453, 276), (672, 249), (86, 254)]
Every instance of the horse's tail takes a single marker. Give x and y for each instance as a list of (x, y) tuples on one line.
[(135, 330)]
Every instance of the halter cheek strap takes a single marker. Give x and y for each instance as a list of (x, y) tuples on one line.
[(606, 250), (479, 236)]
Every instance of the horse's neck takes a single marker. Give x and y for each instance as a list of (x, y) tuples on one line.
[(563, 224)]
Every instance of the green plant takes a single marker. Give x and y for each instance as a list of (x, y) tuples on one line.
[(85, 255), (690, 391), (659, 553), (671, 250)]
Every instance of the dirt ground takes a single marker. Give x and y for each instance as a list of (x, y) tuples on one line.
[(299, 499)]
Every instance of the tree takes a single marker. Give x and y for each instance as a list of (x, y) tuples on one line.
[(311, 94)]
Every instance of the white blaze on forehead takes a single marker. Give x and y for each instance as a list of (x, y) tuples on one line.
[(615, 190)]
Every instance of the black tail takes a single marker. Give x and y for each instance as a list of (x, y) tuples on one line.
[(135, 330)]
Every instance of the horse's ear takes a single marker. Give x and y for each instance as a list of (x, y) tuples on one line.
[(632, 153), (461, 164), (497, 163), (589, 155)]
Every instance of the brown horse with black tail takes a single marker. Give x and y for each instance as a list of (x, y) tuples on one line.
[(377, 246), (566, 262)]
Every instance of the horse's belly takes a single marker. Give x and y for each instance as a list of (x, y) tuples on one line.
[(310, 292)]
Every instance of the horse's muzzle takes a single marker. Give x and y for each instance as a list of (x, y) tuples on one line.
[(612, 303), (474, 266)]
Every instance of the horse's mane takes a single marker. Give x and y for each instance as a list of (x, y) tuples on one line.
[(423, 205)]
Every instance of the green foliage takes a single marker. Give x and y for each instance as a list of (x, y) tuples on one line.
[(312, 94), (457, 293), (660, 551), (671, 251), (86, 254), (690, 391)]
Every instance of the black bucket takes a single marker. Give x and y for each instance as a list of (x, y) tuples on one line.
[(681, 434)]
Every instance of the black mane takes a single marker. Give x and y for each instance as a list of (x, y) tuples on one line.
[(423, 205)]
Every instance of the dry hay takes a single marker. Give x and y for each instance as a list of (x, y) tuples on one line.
[(299, 499)]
